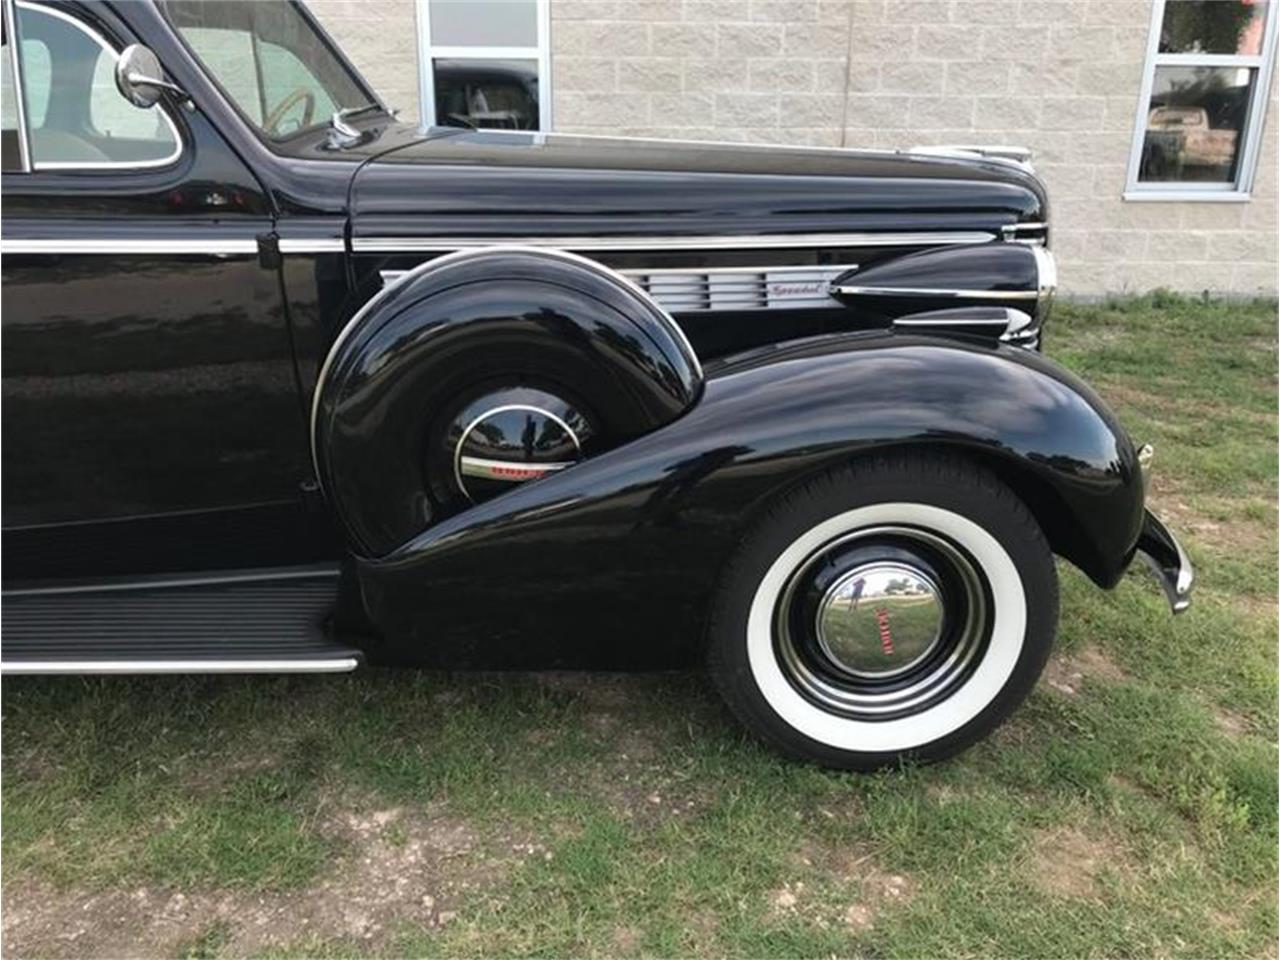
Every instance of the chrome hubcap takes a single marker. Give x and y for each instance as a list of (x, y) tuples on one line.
[(880, 619), (883, 622)]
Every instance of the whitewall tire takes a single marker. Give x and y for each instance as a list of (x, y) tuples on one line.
[(898, 608)]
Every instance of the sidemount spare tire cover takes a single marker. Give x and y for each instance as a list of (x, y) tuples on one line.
[(489, 319)]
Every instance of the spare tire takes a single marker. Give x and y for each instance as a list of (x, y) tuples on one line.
[(535, 356)]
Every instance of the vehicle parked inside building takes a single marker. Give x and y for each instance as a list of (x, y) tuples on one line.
[(291, 385)]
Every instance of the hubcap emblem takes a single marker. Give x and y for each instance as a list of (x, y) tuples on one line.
[(879, 619)]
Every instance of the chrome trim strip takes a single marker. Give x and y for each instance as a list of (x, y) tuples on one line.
[(721, 271), (310, 665), (177, 247), (24, 145), (168, 583), (317, 245), (539, 137), (498, 469), (1009, 155), (949, 293), (1014, 324), (712, 242), (110, 164), (453, 257)]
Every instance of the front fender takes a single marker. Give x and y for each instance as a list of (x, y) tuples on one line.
[(619, 555)]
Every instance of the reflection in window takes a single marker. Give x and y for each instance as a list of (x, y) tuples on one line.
[(1194, 123), (485, 64), (1198, 128), (499, 94), (1213, 26)]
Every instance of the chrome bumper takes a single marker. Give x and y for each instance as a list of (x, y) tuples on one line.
[(1162, 552)]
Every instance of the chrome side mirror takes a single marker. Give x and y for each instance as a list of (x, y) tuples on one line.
[(139, 77)]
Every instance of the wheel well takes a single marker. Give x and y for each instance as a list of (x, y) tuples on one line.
[(1046, 504), (1048, 508)]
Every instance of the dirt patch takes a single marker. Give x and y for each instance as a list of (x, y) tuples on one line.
[(878, 891), (419, 867), (1231, 723), (1067, 674), (853, 868), (1067, 862)]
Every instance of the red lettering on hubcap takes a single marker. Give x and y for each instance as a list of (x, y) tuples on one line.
[(886, 638)]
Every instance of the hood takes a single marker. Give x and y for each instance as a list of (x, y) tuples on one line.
[(457, 183)]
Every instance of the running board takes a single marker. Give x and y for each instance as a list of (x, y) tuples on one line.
[(252, 621)]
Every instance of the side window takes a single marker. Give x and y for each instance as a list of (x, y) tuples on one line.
[(75, 115)]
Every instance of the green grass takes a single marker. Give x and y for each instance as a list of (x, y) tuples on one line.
[(629, 815)]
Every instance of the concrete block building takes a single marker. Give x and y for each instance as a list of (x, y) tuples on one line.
[(1153, 122)]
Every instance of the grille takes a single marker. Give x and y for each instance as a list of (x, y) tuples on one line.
[(741, 288)]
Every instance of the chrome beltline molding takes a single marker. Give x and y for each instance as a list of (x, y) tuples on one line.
[(309, 665), (315, 245), (706, 242), (950, 293), (295, 245), (179, 247)]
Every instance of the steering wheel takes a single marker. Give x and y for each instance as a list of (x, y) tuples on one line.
[(291, 100)]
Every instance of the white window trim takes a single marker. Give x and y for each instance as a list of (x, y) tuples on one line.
[(34, 165), (1263, 63), (428, 53)]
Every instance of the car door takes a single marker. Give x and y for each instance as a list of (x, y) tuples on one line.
[(151, 419)]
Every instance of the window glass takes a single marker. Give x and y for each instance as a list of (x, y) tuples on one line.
[(228, 55), (37, 71), (270, 60), (491, 23), (1213, 26), (10, 148), (501, 94), (1194, 124), (75, 114)]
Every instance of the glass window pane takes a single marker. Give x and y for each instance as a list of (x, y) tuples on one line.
[(10, 149), (229, 56), (1194, 124), (501, 94), (1213, 26), (492, 23), (268, 57), (75, 114)]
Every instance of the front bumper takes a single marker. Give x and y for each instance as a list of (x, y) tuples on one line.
[(1162, 552)]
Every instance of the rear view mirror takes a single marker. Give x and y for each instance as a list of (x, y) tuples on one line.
[(139, 77)]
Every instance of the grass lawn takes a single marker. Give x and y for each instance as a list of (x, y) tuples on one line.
[(1129, 808)]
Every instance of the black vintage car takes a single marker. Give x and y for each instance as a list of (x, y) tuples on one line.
[(291, 385)]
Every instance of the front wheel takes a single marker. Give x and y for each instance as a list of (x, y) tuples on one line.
[(897, 608)]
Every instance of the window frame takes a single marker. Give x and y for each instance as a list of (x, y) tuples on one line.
[(20, 106), (1263, 65), (30, 163), (428, 53)]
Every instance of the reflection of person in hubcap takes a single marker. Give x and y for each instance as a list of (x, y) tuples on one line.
[(856, 592)]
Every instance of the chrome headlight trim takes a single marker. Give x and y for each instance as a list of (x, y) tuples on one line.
[(1046, 282)]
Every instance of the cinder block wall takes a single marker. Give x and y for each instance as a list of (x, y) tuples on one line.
[(381, 38), (1058, 76)]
